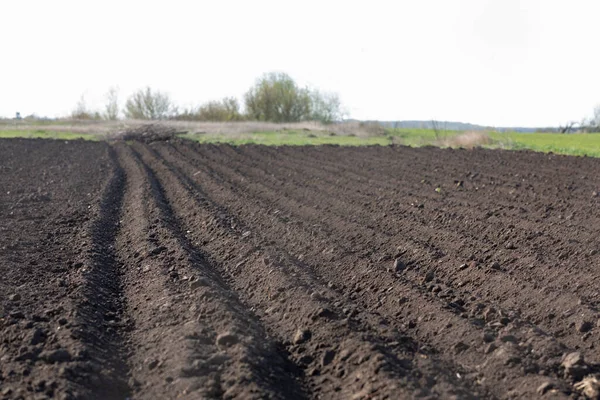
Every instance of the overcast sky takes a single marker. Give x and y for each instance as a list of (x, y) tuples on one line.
[(492, 62)]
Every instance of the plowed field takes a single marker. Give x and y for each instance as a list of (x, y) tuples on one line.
[(175, 270)]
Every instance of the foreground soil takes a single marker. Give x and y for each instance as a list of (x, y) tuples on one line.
[(175, 270)]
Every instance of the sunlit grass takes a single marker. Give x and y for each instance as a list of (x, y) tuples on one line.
[(41, 134), (578, 144), (574, 144)]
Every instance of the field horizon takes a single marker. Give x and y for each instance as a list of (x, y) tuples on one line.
[(352, 133)]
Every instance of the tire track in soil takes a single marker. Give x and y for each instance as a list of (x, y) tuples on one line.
[(531, 335), (427, 371), (57, 204), (196, 339), (101, 311)]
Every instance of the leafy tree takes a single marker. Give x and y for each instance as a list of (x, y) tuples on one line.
[(227, 109), (276, 97), (149, 104)]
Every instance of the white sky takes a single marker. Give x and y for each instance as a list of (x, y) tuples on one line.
[(492, 62)]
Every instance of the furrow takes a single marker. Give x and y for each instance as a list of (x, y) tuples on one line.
[(276, 278), (192, 336), (102, 368), (470, 357), (488, 285)]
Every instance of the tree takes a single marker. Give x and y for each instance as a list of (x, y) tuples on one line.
[(591, 124), (276, 97), (325, 107), (595, 121), (81, 110), (569, 127), (227, 109), (149, 104), (112, 104)]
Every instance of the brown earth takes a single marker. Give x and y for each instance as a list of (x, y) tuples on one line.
[(174, 270)]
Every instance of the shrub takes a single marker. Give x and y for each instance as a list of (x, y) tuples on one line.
[(149, 104), (82, 112), (227, 109), (275, 97)]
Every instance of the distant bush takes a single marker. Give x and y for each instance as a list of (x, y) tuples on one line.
[(372, 128), (275, 97), (227, 109), (149, 104), (81, 111)]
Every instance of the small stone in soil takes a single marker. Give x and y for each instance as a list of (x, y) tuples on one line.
[(16, 314), (195, 283), (301, 336), (227, 339), (460, 347), (488, 337), (428, 277), (38, 336), (399, 266), (490, 348), (152, 364), (584, 326), (60, 355), (574, 365), (544, 387), (327, 357), (508, 338)]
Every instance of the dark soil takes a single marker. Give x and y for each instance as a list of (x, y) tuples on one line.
[(149, 133), (173, 270)]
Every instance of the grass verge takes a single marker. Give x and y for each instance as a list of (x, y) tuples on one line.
[(42, 134), (578, 144)]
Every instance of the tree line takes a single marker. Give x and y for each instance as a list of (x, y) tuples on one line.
[(275, 97)]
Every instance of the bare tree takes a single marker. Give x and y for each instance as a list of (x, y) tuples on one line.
[(81, 110), (112, 104), (149, 104), (568, 127), (595, 121), (591, 124), (435, 125), (325, 107)]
